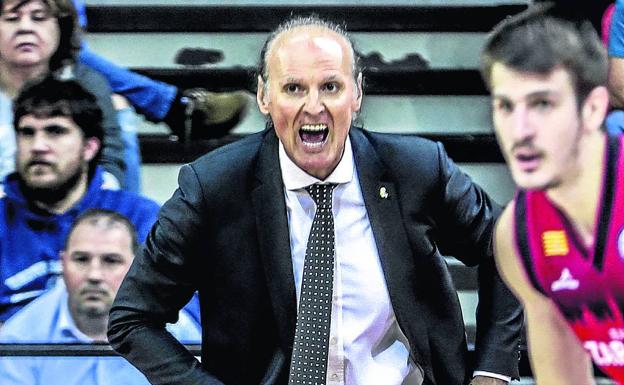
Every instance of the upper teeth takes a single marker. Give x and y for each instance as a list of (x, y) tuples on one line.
[(314, 127)]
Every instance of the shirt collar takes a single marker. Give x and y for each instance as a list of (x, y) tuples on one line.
[(66, 324), (295, 178)]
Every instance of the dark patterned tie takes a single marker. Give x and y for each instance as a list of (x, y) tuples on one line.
[(309, 357)]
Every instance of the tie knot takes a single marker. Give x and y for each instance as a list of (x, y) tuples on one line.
[(321, 193)]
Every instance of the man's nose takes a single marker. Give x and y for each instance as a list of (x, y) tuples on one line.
[(40, 142), (95, 271), (313, 103), (522, 126)]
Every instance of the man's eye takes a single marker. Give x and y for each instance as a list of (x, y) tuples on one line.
[(503, 106), (56, 130), (25, 131), (292, 88), (542, 103), (82, 259), (331, 87), (112, 261)]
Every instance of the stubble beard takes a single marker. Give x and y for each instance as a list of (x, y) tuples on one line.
[(51, 193)]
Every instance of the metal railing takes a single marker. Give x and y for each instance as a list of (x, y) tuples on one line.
[(68, 350)]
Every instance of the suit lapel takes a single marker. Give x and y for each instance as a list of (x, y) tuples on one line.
[(274, 239), (382, 205)]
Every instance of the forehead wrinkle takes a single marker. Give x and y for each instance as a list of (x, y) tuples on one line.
[(296, 79)]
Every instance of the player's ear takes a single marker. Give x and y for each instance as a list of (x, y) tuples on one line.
[(595, 107)]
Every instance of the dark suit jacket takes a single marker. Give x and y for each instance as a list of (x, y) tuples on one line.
[(225, 233)]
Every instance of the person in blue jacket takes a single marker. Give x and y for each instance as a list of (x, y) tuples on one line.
[(613, 31), (37, 38), (97, 254), (58, 126), (162, 102)]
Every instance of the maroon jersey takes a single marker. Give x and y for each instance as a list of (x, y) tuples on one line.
[(586, 284)]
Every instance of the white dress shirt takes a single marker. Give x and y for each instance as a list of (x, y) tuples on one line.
[(366, 343)]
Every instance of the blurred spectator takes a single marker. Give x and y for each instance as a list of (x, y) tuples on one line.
[(213, 114), (605, 24), (97, 255), (577, 10), (616, 56), (601, 14), (36, 38), (58, 125), (613, 32)]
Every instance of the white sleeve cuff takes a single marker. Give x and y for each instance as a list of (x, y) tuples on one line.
[(494, 375)]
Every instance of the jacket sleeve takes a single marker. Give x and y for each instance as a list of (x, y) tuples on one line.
[(161, 280), (470, 214)]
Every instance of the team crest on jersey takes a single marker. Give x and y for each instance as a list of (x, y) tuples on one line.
[(555, 243)]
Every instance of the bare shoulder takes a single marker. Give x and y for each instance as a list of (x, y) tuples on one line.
[(505, 251), (507, 258), (504, 236)]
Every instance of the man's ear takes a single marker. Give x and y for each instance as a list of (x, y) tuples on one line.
[(595, 107), (358, 101), (91, 147), (262, 97)]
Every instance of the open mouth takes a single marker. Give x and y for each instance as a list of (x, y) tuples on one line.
[(526, 158), (528, 161), (314, 135)]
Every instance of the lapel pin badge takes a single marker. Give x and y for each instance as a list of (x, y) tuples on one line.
[(383, 192)]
